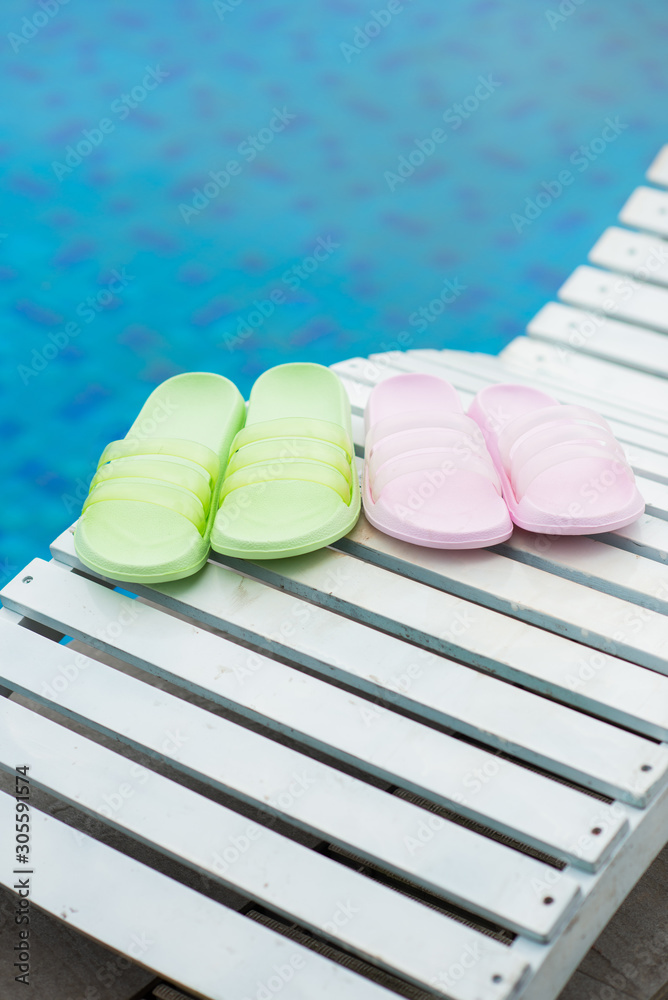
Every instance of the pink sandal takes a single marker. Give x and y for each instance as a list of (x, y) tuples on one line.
[(428, 477), (562, 469)]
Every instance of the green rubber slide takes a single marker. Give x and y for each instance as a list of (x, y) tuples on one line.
[(153, 499), (291, 484)]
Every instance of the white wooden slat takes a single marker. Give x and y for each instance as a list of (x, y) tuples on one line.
[(575, 375), (566, 742), (603, 567), (532, 595), (356, 913), (638, 698), (520, 803), (647, 209), (617, 295), (639, 581), (640, 394), (489, 879), (155, 921), (658, 171), (648, 536), (646, 393), (602, 337), (617, 773), (644, 257), (650, 466), (655, 494), (533, 729)]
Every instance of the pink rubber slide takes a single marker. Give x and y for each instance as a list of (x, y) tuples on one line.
[(428, 477), (562, 469)]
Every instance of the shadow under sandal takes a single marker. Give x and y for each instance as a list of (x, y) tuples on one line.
[(152, 501), (428, 478), (291, 484), (562, 469)]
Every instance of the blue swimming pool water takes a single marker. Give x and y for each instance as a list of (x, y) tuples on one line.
[(116, 273)]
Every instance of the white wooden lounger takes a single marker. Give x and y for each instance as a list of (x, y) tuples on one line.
[(491, 770)]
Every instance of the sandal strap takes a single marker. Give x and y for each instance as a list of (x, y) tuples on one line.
[(521, 428), (560, 454), (432, 461), (294, 427), (291, 448), (152, 491), (545, 437), (553, 435), (417, 439), (310, 449), (174, 471), (578, 438), (194, 451), (437, 444), (424, 420), (288, 469)]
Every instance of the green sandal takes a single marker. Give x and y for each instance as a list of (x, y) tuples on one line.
[(153, 499), (291, 484)]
